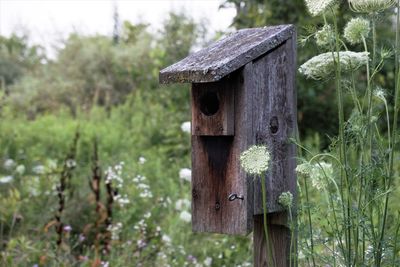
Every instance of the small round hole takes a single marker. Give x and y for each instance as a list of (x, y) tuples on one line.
[(209, 103)]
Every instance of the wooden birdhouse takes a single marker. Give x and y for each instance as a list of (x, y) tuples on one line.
[(242, 94)]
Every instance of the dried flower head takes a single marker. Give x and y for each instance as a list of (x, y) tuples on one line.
[(323, 65), (370, 6), (325, 36), (318, 7), (286, 200), (304, 170), (255, 160), (356, 29)]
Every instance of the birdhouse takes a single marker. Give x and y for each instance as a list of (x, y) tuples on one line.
[(242, 94)]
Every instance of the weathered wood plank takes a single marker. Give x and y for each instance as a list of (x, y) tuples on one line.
[(226, 55), (213, 108), (274, 122), (280, 238), (216, 171)]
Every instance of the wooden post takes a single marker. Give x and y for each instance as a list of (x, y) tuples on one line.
[(243, 94)]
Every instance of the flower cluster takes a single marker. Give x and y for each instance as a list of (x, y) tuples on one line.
[(114, 174), (318, 7), (286, 200), (370, 6), (318, 172), (185, 174), (356, 30), (115, 230), (325, 36), (323, 65), (255, 160), (186, 127)]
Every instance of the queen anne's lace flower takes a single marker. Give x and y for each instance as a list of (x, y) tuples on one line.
[(320, 174), (325, 36), (286, 200), (318, 7), (356, 29), (370, 6), (304, 170), (323, 65), (255, 160)]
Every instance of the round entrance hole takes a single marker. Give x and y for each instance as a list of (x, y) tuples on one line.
[(209, 103)]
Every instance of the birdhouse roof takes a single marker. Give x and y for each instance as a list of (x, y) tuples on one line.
[(226, 55)]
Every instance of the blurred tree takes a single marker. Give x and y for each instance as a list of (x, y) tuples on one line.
[(18, 58)]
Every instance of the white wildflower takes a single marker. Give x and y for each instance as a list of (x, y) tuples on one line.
[(370, 6), (323, 65), (20, 169), (304, 170), (185, 216), (181, 204), (356, 30), (380, 93), (115, 230), (147, 215), (142, 160), (9, 164), (166, 239), (6, 179), (70, 163), (286, 200), (186, 127), (39, 169), (325, 36), (185, 174), (208, 261), (255, 160), (320, 174), (318, 7)]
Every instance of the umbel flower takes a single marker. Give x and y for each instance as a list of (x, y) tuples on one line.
[(323, 65), (356, 29), (318, 7), (255, 160), (286, 200), (370, 6), (325, 36)]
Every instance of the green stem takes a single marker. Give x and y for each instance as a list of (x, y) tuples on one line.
[(270, 256), (343, 171), (394, 132), (309, 221)]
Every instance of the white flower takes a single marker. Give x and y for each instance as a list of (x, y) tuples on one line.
[(166, 239), (304, 169), (318, 7), (380, 93), (186, 127), (20, 169), (370, 6), (6, 179), (208, 261), (325, 36), (70, 163), (356, 30), (181, 204), (286, 200), (320, 174), (185, 174), (323, 65), (142, 160), (255, 160), (9, 164), (39, 169), (185, 216)]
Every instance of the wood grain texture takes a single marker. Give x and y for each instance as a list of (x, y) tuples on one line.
[(226, 55), (216, 171), (213, 108), (279, 236), (274, 122)]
